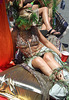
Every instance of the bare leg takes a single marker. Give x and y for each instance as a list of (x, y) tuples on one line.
[(38, 62), (43, 27), (34, 7), (44, 12), (49, 59), (52, 63), (47, 65), (21, 3)]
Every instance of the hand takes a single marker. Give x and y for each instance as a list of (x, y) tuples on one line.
[(60, 76), (60, 54), (28, 5)]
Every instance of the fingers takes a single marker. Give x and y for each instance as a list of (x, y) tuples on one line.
[(60, 54), (60, 76)]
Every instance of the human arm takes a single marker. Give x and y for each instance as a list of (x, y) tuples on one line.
[(48, 44), (21, 3), (28, 5), (31, 5)]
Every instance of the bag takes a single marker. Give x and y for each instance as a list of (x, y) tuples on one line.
[(61, 24)]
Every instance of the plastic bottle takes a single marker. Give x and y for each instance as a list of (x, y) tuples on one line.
[(32, 4)]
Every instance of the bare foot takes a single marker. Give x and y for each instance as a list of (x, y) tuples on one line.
[(53, 32)]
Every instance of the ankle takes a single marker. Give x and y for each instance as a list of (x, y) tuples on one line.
[(49, 28)]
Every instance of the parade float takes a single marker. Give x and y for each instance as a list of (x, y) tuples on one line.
[(18, 81)]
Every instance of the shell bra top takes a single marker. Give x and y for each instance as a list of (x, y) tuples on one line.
[(28, 42)]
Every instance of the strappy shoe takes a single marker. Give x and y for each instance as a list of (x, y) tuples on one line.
[(52, 33)]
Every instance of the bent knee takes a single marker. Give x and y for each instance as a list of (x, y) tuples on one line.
[(45, 8), (36, 60), (48, 56)]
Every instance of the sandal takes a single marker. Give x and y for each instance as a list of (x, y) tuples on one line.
[(52, 33)]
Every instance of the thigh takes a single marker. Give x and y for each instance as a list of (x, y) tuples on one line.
[(40, 10), (39, 63), (43, 9), (49, 58)]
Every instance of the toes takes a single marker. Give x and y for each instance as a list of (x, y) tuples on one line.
[(54, 33)]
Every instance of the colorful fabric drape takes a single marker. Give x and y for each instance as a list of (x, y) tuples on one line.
[(6, 45)]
